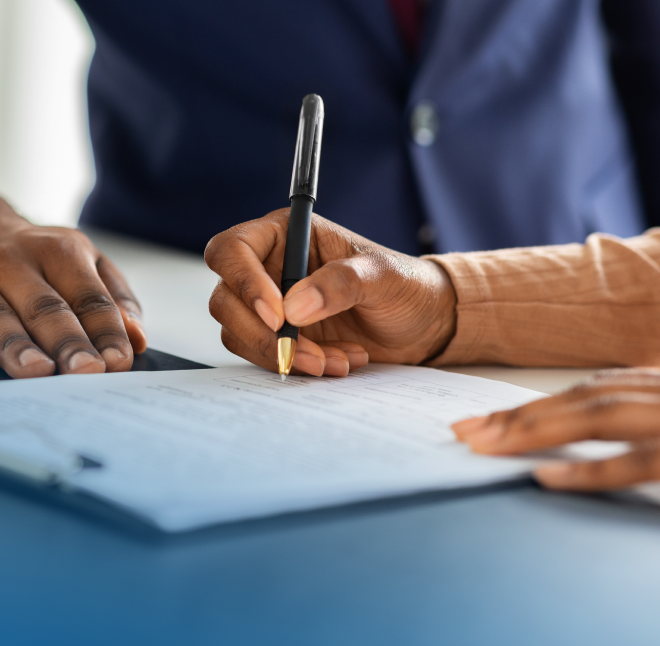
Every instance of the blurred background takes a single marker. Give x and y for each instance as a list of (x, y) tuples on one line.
[(46, 166)]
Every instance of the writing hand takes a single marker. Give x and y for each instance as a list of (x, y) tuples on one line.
[(360, 301), (615, 405), (63, 305)]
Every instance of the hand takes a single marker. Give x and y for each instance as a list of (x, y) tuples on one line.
[(63, 305), (360, 300), (615, 405)]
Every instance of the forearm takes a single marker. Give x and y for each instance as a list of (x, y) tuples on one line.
[(572, 305)]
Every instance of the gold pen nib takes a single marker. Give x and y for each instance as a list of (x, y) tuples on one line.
[(286, 349)]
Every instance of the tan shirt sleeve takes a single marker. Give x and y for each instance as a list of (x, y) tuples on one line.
[(596, 304)]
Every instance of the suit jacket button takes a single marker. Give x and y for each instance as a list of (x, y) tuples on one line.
[(424, 123)]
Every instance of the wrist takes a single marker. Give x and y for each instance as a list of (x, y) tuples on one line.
[(444, 303)]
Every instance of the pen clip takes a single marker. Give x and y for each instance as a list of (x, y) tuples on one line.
[(304, 179)]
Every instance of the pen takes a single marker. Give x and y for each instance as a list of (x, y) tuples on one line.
[(302, 195)]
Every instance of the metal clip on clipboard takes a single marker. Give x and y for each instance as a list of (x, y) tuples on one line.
[(60, 464)]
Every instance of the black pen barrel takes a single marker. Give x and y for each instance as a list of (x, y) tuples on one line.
[(296, 254)]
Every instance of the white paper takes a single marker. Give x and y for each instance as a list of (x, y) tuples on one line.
[(190, 448)]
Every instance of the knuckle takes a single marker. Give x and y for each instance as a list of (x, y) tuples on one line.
[(351, 276), (11, 338), (603, 404), (217, 301), (10, 256), (582, 389), (88, 302), (243, 287), (506, 417), (127, 300), (219, 246), (68, 344), (52, 244), (264, 347), (107, 337), (43, 306), (229, 340), (260, 345), (7, 311), (211, 250)]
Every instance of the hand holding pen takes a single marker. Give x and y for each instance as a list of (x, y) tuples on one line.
[(359, 301)]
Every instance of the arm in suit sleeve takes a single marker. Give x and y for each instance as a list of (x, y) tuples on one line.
[(596, 304)]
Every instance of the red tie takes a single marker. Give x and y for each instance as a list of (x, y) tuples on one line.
[(409, 15)]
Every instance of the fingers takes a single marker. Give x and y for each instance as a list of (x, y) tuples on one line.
[(334, 362), (603, 383), (81, 287), (238, 255), (54, 298), (249, 259), (350, 355), (19, 356), (128, 305), (635, 467), (52, 325), (67, 311), (246, 335), (624, 416), (334, 288), (613, 405)]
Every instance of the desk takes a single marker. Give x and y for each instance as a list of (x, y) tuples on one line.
[(512, 565)]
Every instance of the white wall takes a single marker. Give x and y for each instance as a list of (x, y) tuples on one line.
[(46, 167)]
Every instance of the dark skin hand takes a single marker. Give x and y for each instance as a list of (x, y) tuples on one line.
[(361, 301), (63, 305), (615, 405)]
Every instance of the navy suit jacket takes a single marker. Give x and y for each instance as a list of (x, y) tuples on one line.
[(194, 109)]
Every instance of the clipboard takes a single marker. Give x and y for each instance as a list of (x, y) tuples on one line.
[(46, 483)]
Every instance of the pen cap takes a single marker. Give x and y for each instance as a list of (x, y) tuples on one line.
[(308, 148)]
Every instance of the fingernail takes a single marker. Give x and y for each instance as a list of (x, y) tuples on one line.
[(82, 361), (136, 334), (112, 356), (466, 426), (31, 356), (302, 305), (357, 359), (135, 320), (308, 363), (266, 314), (554, 471), (335, 367)]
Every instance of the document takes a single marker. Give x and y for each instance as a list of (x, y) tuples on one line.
[(186, 449)]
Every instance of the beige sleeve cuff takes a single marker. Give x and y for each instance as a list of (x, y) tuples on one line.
[(596, 304)]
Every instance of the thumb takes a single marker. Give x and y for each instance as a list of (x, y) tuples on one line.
[(334, 288)]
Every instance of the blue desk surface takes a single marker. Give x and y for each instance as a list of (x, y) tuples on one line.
[(514, 565)]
